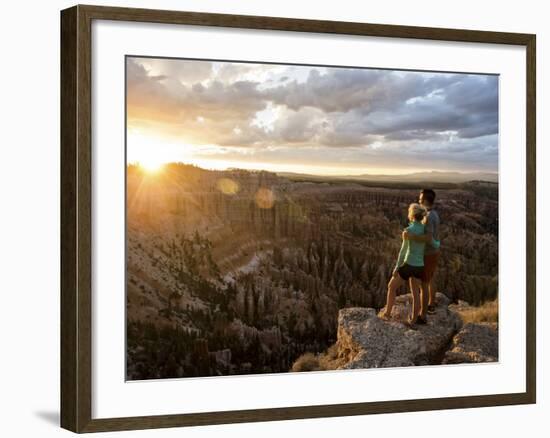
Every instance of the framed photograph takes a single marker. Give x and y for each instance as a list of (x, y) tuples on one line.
[(271, 218)]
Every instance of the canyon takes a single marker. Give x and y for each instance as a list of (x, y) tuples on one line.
[(244, 272)]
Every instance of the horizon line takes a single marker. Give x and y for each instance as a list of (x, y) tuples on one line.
[(364, 173)]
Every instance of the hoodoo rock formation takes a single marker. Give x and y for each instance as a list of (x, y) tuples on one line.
[(239, 272)]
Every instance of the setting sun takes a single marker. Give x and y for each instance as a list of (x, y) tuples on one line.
[(151, 166)]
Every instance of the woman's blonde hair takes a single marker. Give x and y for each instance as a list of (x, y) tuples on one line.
[(416, 212)]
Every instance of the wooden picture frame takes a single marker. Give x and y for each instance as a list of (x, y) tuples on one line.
[(76, 198)]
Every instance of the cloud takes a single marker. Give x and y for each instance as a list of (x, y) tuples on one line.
[(365, 114), (185, 72)]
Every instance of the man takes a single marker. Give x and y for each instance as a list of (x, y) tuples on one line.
[(431, 253)]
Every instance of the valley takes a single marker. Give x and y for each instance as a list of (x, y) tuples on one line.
[(242, 272)]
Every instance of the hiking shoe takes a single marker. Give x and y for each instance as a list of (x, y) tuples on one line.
[(431, 310)]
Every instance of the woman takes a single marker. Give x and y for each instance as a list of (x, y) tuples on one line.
[(410, 265)]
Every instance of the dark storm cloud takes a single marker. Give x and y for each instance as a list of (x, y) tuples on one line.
[(399, 106), (342, 90)]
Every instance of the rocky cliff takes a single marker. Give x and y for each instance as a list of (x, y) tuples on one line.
[(474, 343), (367, 341)]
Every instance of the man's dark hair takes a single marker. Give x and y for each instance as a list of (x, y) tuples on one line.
[(429, 195)]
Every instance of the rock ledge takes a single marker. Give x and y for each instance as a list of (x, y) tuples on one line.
[(367, 341)]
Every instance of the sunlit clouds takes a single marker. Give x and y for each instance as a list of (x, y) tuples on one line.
[(309, 119)]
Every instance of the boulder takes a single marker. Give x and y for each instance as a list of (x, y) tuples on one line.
[(367, 341), (474, 343)]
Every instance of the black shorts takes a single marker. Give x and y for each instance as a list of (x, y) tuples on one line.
[(406, 271)]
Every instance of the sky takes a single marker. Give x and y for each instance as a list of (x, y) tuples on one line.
[(309, 119)]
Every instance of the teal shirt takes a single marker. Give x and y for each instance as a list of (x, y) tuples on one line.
[(412, 252)]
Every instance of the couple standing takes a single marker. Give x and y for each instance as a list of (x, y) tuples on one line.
[(417, 259)]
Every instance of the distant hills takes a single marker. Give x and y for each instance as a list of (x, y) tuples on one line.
[(433, 176), (438, 177)]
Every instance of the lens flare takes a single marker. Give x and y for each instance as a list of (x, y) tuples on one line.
[(264, 198), (227, 186)]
